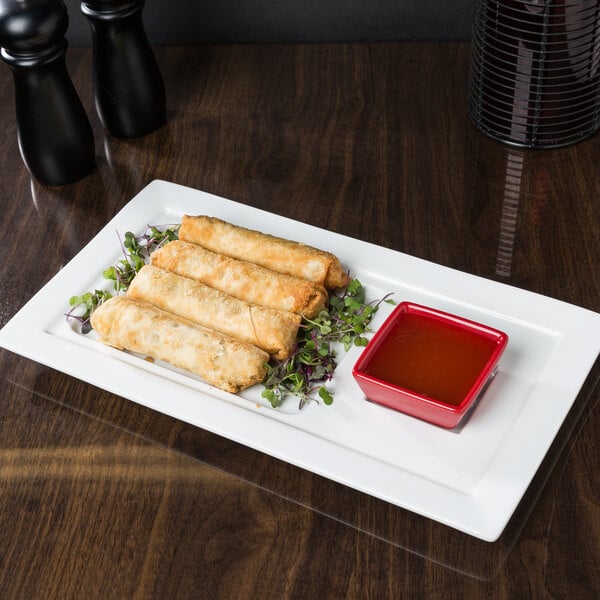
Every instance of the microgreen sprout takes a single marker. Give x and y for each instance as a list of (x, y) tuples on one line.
[(136, 253), (89, 302), (306, 372)]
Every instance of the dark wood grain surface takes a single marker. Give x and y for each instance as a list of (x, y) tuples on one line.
[(102, 498)]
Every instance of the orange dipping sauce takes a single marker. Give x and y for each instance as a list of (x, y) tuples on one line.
[(429, 364), (431, 357)]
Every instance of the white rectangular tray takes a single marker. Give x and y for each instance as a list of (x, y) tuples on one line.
[(471, 480)]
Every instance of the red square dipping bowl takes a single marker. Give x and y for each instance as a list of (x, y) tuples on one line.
[(429, 364)]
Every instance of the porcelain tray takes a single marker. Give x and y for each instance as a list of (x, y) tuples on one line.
[(471, 479)]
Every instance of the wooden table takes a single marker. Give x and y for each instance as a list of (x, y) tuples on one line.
[(102, 498)]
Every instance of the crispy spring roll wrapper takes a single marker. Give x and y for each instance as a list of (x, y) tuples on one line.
[(222, 361), (272, 330), (246, 281), (266, 250)]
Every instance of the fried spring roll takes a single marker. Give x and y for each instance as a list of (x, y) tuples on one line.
[(266, 250), (224, 362), (272, 330), (246, 281)]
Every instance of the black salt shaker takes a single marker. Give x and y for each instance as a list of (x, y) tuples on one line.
[(128, 86), (54, 133)]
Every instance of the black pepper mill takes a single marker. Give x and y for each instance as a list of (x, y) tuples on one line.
[(54, 133), (128, 86)]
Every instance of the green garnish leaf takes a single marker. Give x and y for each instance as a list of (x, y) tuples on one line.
[(325, 395)]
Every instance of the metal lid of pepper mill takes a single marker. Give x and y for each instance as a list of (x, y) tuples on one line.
[(55, 137)]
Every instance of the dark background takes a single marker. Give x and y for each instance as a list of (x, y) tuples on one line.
[(192, 22)]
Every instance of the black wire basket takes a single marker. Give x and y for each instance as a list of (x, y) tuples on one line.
[(534, 77)]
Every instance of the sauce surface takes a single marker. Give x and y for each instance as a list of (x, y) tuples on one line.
[(431, 357)]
